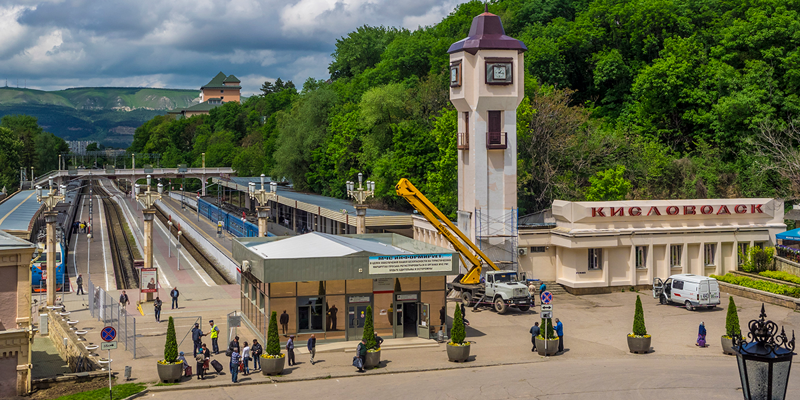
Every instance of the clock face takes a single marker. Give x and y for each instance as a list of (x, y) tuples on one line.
[(500, 72)]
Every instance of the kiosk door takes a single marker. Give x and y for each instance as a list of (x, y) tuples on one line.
[(424, 320)]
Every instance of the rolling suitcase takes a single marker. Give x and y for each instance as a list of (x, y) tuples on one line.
[(217, 366)]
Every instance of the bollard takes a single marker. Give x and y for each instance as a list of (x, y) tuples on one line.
[(127, 373)]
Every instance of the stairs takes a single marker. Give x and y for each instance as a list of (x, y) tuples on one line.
[(554, 288)]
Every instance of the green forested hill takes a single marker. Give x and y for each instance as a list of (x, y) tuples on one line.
[(108, 115), (624, 99)]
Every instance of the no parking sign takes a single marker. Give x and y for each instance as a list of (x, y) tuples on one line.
[(547, 297)]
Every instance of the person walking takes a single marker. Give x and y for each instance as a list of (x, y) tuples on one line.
[(290, 351), (361, 352), (701, 335), (201, 360), (257, 350), (542, 288), (312, 347), (79, 282), (560, 334), (174, 293), (214, 336), (234, 345), (246, 358), (123, 300), (235, 359), (284, 322), (534, 333), (157, 306), (196, 335)]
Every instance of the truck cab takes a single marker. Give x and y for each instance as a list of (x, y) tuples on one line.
[(506, 290), (690, 290)]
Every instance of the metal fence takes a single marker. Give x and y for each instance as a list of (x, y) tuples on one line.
[(105, 308)]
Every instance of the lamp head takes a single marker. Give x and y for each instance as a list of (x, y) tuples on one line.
[(359, 179), (251, 187), (160, 188), (148, 181)]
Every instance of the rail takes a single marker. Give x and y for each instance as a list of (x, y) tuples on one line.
[(121, 252)]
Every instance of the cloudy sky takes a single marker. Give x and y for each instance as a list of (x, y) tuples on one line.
[(57, 44)]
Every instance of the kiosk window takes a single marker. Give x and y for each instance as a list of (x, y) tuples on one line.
[(309, 313)]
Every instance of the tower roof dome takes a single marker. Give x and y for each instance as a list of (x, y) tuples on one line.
[(486, 32)]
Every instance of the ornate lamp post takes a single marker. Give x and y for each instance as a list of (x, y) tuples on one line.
[(169, 237), (178, 248), (149, 198), (50, 199), (263, 197), (360, 195), (765, 361)]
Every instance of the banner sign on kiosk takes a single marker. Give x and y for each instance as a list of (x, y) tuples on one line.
[(410, 263), (149, 280)]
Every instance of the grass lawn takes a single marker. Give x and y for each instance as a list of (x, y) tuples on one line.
[(119, 391)]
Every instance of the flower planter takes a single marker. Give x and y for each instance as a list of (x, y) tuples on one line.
[(727, 346), (373, 359), (170, 372), (458, 353), (552, 346), (639, 344), (272, 366)]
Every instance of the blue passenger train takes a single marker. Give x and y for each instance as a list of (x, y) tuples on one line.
[(40, 259)]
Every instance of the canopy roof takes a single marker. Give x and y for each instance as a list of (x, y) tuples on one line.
[(793, 234), (316, 244)]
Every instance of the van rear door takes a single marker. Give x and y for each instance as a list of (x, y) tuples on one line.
[(703, 294), (713, 289)]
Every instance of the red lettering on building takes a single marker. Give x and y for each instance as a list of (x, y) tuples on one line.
[(672, 210), (598, 212), (740, 209), (689, 210), (635, 211), (723, 209), (756, 208), (619, 211), (653, 211), (706, 210)]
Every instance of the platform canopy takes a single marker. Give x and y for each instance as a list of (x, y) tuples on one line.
[(793, 234)]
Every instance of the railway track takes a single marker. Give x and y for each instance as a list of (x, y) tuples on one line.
[(121, 252), (211, 269)]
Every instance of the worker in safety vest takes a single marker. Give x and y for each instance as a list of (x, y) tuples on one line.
[(214, 335)]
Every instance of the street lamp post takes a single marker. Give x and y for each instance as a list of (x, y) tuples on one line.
[(169, 237), (765, 361), (178, 248), (149, 198), (360, 195), (50, 199), (263, 197)]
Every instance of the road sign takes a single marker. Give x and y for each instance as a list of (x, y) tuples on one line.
[(108, 334), (547, 307), (108, 346), (546, 314), (547, 297)]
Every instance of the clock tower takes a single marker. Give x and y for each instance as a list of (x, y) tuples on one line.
[(486, 86)]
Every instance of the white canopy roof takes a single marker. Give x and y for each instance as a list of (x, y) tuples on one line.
[(316, 244)]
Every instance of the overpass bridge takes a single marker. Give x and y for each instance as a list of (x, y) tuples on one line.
[(131, 174)]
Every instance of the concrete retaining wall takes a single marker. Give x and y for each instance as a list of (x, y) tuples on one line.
[(782, 264), (760, 295), (57, 330)]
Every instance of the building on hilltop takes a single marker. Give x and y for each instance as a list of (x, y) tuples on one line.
[(222, 89)]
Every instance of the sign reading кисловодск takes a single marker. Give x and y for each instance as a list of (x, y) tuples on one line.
[(707, 209), (410, 263)]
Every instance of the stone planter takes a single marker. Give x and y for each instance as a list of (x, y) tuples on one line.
[(272, 366), (552, 347), (727, 346), (373, 359), (169, 372), (457, 353), (639, 344)]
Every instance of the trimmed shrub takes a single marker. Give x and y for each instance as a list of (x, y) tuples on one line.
[(638, 319), (781, 276), (369, 330), (547, 329), (458, 333), (171, 346), (273, 342), (757, 259), (732, 327), (784, 290)]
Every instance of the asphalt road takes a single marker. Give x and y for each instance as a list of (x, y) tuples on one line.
[(634, 377)]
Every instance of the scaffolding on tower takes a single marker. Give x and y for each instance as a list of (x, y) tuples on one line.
[(497, 237)]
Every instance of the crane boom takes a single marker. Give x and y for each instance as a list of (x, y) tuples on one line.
[(407, 190)]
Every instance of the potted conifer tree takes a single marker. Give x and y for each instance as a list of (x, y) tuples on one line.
[(170, 369), (639, 340), (731, 328), (273, 361), (457, 347), (547, 341), (373, 351)]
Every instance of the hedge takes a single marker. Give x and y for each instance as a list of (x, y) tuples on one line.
[(781, 276), (770, 287)]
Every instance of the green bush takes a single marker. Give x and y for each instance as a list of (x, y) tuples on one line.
[(638, 319), (757, 259), (732, 320), (458, 333), (369, 330), (770, 287), (273, 342), (171, 346), (781, 276), (547, 330)]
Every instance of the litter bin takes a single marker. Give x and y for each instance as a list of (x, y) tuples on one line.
[(127, 373)]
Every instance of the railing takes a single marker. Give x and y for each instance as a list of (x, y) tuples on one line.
[(137, 172), (104, 308), (463, 141), (496, 140)]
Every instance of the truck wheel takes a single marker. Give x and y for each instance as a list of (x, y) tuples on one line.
[(524, 308), (689, 305), (500, 306), (466, 299)]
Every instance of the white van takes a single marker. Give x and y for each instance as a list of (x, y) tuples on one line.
[(687, 289)]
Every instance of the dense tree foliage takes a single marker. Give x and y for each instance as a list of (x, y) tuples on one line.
[(624, 99), (23, 143)]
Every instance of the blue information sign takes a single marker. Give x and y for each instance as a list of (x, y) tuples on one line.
[(108, 333)]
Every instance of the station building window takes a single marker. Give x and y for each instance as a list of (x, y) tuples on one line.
[(709, 254), (742, 252), (641, 257), (675, 255), (595, 259)]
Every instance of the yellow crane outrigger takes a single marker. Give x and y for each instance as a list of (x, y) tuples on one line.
[(407, 190)]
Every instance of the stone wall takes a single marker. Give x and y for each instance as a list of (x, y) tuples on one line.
[(605, 289), (760, 295), (74, 349), (782, 264)]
